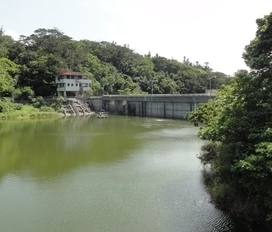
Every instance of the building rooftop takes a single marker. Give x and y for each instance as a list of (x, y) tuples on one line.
[(72, 73)]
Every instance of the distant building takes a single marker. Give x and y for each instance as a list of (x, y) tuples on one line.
[(72, 84)]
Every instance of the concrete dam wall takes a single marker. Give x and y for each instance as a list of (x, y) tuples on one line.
[(162, 106)]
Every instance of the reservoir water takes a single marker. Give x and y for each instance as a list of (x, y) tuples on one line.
[(119, 174)]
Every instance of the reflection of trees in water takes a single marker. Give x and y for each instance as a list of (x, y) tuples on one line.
[(47, 148)]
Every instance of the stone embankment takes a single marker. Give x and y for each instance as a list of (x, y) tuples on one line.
[(73, 106)]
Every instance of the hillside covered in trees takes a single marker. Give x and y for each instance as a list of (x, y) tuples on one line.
[(28, 67)]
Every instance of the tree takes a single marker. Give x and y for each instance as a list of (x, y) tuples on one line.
[(8, 71), (114, 68), (238, 122), (51, 41), (5, 43), (75, 55), (41, 55), (257, 54), (167, 85)]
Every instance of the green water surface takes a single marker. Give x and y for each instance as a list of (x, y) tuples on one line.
[(119, 174)]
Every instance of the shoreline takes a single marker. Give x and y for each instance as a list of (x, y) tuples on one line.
[(33, 115)]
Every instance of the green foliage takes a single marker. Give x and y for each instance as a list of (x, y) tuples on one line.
[(24, 94), (38, 102), (57, 104), (239, 118), (115, 69), (47, 109), (238, 122), (8, 71), (257, 54), (30, 112), (5, 44), (6, 105), (28, 68), (209, 153)]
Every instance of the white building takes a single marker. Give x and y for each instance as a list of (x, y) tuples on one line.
[(71, 84)]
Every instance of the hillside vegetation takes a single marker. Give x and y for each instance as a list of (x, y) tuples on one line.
[(28, 68)]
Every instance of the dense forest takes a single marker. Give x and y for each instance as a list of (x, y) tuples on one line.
[(239, 127), (29, 66)]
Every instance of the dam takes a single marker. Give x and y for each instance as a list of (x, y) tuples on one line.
[(162, 105)]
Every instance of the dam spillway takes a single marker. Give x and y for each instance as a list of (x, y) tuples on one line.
[(161, 105)]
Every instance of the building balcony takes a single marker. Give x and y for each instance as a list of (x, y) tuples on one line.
[(74, 81)]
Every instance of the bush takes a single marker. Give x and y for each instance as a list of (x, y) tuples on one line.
[(24, 94), (6, 105), (46, 109), (209, 153), (18, 106), (57, 104)]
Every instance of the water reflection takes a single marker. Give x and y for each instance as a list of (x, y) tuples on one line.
[(55, 146), (114, 174)]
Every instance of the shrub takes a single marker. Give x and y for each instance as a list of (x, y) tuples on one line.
[(6, 105), (46, 109)]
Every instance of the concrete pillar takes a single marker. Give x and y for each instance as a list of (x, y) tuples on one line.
[(195, 106)]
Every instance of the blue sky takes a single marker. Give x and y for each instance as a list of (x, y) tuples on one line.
[(214, 31)]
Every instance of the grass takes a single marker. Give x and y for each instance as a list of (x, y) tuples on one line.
[(30, 112)]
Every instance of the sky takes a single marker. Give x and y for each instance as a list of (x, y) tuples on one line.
[(213, 31)]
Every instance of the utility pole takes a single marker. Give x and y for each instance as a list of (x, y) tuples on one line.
[(211, 83)]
